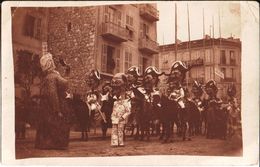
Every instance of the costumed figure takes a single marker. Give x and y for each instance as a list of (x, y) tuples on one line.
[(53, 128), (199, 113), (93, 81), (233, 111), (214, 111), (121, 109), (133, 92), (180, 115), (107, 103), (150, 115)]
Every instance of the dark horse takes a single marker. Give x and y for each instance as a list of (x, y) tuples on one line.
[(169, 116), (142, 113), (80, 113)]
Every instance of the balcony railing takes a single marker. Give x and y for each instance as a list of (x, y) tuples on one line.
[(228, 80), (114, 32), (149, 12), (148, 46), (196, 62)]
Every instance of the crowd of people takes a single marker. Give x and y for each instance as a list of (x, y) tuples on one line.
[(134, 102)]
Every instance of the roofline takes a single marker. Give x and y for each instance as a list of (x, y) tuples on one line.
[(201, 43)]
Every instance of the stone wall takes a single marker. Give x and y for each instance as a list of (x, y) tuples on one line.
[(72, 37)]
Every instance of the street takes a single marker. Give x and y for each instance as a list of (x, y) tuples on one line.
[(97, 147)]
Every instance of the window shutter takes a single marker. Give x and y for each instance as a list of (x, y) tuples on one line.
[(104, 58), (38, 28), (117, 60), (131, 21), (126, 59), (141, 63)]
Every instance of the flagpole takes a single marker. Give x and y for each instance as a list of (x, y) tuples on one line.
[(189, 41), (219, 26), (176, 42), (204, 38), (213, 46)]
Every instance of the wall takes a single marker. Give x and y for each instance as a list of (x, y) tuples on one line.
[(72, 37)]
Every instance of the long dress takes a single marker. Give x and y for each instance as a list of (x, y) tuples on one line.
[(53, 130)]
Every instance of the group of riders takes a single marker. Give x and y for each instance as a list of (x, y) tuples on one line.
[(160, 112)]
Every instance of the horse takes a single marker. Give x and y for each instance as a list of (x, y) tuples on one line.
[(79, 115)]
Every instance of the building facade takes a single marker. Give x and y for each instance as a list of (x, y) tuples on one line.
[(218, 59), (29, 39), (110, 38)]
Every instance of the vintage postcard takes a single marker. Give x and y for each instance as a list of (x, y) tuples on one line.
[(130, 83)]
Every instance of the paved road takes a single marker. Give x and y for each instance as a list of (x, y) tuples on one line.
[(97, 147)]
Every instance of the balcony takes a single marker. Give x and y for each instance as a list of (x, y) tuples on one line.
[(228, 80), (148, 12), (195, 63), (148, 46), (114, 32)]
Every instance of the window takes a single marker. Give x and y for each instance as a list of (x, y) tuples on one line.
[(208, 56), (233, 74), (128, 58), (129, 20), (44, 48), (104, 58), (222, 57), (232, 58), (141, 63), (156, 61), (144, 30), (112, 15), (117, 61), (69, 27), (223, 70), (29, 26), (109, 58), (32, 27)]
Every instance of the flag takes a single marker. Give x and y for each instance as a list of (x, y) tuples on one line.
[(219, 73)]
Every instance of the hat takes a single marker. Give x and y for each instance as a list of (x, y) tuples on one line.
[(179, 65), (134, 70), (231, 90), (119, 79), (95, 74), (47, 63), (152, 70), (211, 84), (197, 88)]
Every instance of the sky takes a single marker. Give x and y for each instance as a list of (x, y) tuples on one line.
[(229, 13)]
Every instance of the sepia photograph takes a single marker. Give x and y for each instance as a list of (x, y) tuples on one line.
[(117, 79)]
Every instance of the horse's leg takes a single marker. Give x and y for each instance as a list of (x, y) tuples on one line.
[(148, 132), (104, 129), (137, 132), (82, 135)]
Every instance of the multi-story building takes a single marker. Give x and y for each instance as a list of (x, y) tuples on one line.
[(29, 37), (110, 38), (218, 59)]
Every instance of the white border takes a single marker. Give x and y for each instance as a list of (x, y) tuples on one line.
[(250, 99)]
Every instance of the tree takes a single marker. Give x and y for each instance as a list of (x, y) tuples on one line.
[(28, 68)]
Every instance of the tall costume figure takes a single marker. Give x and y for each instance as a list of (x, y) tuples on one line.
[(175, 108), (93, 80), (121, 109), (214, 111), (199, 113), (53, 128), (134, 90), (233, 110), (106, 108), (151, 101)]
